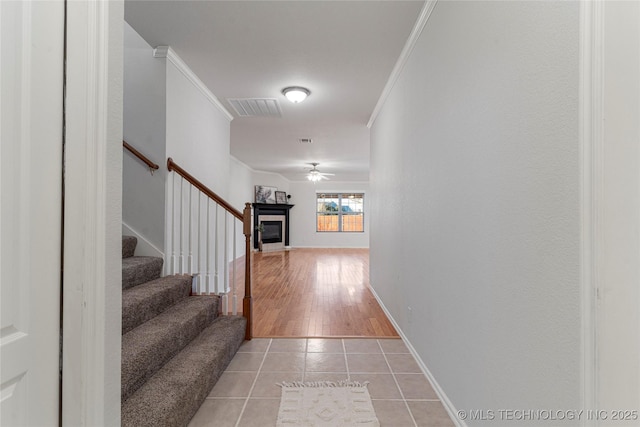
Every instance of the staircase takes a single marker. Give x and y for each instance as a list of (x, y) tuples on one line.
[(174, 346)]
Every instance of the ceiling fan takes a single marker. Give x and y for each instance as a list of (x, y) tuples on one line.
[(315, 175)]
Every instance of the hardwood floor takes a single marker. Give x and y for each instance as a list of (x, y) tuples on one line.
[(315, 293)]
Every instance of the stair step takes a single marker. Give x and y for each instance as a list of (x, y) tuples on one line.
[(140, 269), (149, 346), (145, 301), (173, 395), (128, 246)]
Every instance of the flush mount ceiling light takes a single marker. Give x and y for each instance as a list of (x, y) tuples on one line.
[(296, 94)]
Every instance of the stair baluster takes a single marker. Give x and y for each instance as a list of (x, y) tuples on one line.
[(220, 245), (233, 272), (180, 220), (190, 259), (207, 258)]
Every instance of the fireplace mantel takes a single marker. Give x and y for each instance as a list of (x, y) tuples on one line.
[(271, 209)]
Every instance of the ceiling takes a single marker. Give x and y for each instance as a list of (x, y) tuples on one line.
[(342, 51)]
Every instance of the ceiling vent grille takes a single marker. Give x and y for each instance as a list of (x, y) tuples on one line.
[(305, 141), (256, 107)]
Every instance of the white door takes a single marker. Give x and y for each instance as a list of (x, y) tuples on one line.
[(31, 78)]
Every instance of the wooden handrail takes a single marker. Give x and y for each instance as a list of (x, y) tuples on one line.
[(245, 217), (247, 302), (173, 166), (152, 166)]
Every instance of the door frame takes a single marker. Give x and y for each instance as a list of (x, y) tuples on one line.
[(610, 206), (92, 307), (591, 141)]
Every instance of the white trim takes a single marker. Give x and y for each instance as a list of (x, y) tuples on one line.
[(425, 13), (169, 266), (143, 247), (92, 290), (258, 171), (448, 405), (243, 164), (591, 174), (172, 56)]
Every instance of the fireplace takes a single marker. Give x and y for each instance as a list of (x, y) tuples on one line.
[(272, 231), (274, 219)]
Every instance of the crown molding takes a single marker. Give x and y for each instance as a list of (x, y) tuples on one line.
[(167, 52), (425, 13), (252, 170)]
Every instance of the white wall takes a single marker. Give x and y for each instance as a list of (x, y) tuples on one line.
[(240, 192), (198, 138), (198, 133), (303, 216), (143, 194), (240, 184), (477, 149), (170, 113)]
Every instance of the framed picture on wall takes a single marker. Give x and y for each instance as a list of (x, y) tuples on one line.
[(265, 194), (281, 197)]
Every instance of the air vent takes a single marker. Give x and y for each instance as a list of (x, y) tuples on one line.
[(305, 141), (256, 107)]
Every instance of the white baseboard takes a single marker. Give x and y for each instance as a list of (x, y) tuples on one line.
[(144, 247), (451, 410), (329, 247)]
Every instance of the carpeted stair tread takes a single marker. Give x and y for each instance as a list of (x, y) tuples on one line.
[(149, 346), (128, 246), (173, 395), (145, 301), (140, 269)]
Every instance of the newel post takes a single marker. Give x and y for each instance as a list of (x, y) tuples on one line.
[(247, 302)]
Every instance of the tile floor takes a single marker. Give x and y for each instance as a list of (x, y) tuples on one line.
[(246, 394)]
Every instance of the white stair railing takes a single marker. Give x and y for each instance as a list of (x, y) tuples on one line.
[(202, 236)]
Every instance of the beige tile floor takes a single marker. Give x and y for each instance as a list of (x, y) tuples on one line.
[(247, 395)]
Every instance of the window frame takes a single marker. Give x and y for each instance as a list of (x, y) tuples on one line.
[(340, 213)]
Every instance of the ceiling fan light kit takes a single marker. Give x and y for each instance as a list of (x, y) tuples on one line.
[(315, 175), (296, 94)]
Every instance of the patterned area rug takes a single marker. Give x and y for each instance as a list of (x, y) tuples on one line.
[(326, 404)]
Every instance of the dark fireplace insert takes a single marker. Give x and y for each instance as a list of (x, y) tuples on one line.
[(272, 231)]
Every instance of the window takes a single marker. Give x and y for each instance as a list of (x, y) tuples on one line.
[(343, 212)]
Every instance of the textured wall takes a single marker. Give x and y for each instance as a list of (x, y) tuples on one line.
[(476, 150)]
